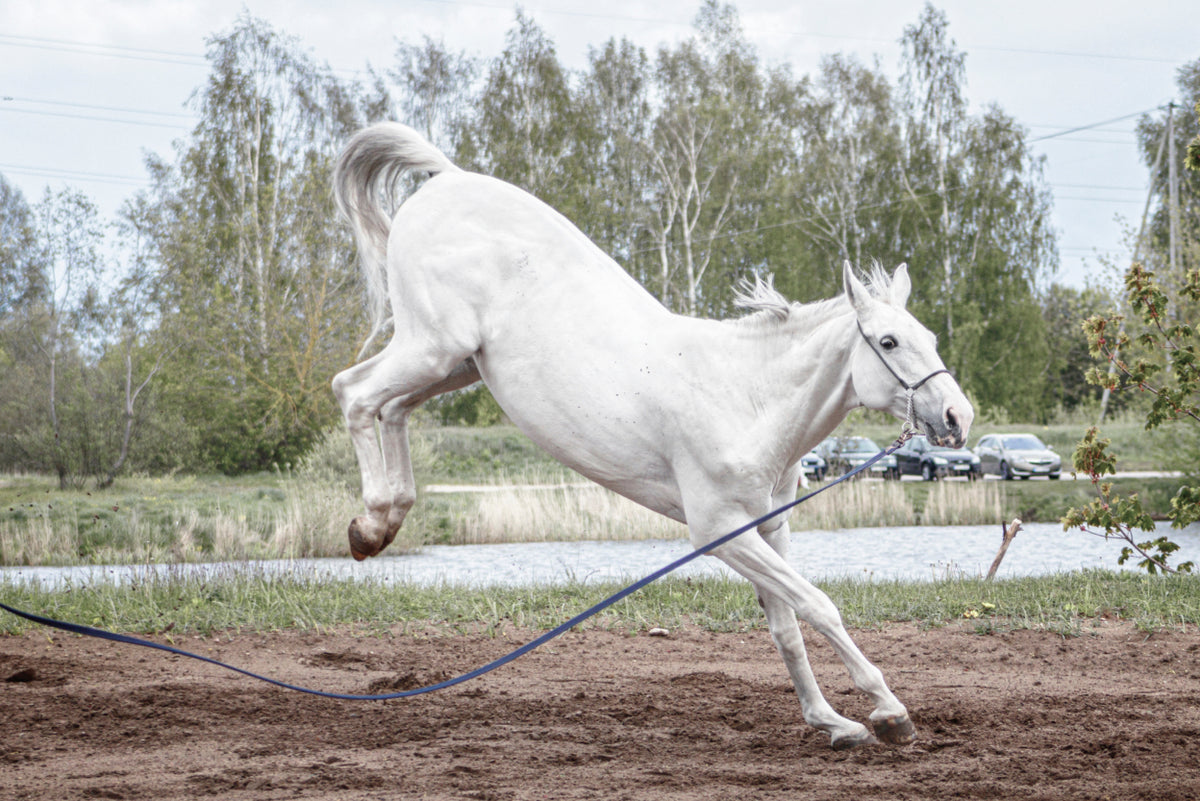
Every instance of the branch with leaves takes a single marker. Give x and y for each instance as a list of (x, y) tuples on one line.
[(1167, 368)]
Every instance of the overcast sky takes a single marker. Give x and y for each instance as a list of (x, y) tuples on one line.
[(87, 87)]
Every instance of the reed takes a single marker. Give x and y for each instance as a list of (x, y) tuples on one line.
[(289, 518), (953, 503), (856, 504), (564, 513)]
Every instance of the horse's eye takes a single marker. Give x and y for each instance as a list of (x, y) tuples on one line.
[(888, 343)]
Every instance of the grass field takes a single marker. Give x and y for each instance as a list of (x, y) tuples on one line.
[(303, 511), (245, 601)]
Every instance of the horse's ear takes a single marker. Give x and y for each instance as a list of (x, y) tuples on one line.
[(901, 286), (859, 296)]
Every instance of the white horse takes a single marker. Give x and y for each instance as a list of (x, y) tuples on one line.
[(700, 420)]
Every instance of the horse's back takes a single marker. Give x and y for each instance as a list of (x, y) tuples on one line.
[(475, 241)]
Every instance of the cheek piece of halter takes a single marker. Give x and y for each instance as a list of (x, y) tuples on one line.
[(909, 428)]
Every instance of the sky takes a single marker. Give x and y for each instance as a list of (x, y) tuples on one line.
[(88, 88)]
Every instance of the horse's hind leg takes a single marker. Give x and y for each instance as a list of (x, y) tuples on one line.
[(397, 461), (388, 386)]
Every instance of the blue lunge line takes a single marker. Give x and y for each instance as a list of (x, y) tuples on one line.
[(89, 631)]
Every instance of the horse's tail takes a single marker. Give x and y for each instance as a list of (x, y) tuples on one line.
[(364, 183)]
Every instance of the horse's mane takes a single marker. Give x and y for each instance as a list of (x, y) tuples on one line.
[(767, 305)]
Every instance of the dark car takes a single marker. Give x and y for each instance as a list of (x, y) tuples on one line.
[(814, 465), (918, 457), (1017, 455), (843, 454)]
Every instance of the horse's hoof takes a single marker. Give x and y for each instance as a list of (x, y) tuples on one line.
[(848, 741), (897, 730), (360, 545)]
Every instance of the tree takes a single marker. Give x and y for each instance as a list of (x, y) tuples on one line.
[(434, 86), (845, 185), (69, 236), (977, 226), (703, 150), (1064, 311), (20, 272), (129, 315), (1170, 373), (522, 130), (613, 165), (934, 74), (1172, 244), (255, 272)]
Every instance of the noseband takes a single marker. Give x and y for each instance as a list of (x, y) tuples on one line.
[(909, 428)]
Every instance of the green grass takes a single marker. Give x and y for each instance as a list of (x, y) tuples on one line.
[(1067, 603)]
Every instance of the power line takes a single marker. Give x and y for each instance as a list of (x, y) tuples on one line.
[(73, 175), (120, 109), (1093, 125), (1074, 54), (1101, 187), (1093, 199), (100, 49), (94, 118)]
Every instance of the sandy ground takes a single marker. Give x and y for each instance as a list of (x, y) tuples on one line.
[(1114, 714)]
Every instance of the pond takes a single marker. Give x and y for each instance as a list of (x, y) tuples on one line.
[(907, 552)]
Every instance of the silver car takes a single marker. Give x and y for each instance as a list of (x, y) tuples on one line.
[(1017, 455)]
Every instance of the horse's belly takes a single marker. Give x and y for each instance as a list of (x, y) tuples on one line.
[(607, 430)]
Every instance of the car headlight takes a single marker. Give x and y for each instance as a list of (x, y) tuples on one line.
[(939, 461)]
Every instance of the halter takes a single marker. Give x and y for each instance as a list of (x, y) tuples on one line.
[(909, 427)]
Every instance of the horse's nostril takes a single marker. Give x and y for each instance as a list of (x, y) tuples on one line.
[(952, 420)]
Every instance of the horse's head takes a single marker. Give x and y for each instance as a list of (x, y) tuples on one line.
[(895, 366)]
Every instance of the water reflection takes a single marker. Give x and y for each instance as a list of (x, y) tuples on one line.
[(913, 552)]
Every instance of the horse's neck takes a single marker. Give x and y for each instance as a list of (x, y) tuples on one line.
[(805, 388)]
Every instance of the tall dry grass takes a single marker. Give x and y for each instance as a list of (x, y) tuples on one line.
[(953, 503), (525, 514), (310, 523), (856, 504)]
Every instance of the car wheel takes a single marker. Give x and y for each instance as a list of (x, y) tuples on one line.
[(927, 472), (1054, 476), (1005, 473)]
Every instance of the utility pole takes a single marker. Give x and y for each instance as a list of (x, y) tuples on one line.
[(1173, 179), (1137, 243)]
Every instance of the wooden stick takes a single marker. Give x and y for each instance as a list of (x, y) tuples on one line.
[(1009, 533)]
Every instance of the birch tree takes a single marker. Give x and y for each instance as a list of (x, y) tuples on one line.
[(702, 146), (260, 291)]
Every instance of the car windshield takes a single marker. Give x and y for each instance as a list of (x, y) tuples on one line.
[(1024, 442), (857, 445)]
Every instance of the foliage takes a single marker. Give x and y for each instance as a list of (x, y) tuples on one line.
[(1064, 310), (1169, 371), (255, 278)]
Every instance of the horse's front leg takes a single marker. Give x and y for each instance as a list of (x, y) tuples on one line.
[(753, 558), (785, 633)]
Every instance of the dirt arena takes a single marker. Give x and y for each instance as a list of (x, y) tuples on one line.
[(1114, 714)]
